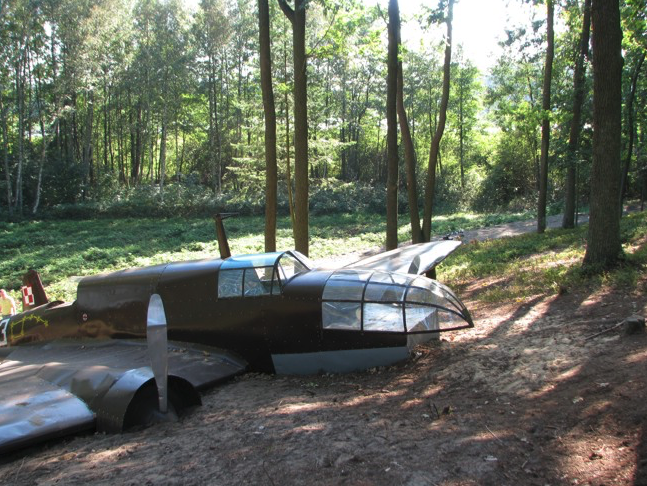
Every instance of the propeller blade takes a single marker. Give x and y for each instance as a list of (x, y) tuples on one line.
[(158, 348)]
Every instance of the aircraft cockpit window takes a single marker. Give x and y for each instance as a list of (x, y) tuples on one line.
[(342, 315), (385, 293), (289, 266), (309, 264), (425, 291), (422, 318), (258, 281), (247, 282), (346, 285), (383, 317), (230, 283)]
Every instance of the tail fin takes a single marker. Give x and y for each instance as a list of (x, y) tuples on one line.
[(33, 293)]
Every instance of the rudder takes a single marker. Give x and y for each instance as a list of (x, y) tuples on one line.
[(33, 293)]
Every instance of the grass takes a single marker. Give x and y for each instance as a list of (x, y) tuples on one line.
[(531, 264), (63, 250)]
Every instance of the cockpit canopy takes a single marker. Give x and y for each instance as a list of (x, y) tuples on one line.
[(366, 300), (261, 274)]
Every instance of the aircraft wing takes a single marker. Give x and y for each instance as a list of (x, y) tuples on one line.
[(58, 388), (416, 259)]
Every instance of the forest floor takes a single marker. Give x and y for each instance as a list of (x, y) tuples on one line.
[(531, 395)]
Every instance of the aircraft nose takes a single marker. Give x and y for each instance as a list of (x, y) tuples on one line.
[(390, 302), (432, 306)]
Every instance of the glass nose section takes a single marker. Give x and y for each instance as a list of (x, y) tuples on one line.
[(432, 307), (420, 318), (390, 302)]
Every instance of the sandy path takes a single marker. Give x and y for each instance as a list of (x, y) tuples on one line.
[(481, 234)]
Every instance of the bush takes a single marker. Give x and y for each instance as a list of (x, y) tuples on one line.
[(333, 196), (191, 199)]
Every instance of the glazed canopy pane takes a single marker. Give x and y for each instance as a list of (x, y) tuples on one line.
[(356, 299)]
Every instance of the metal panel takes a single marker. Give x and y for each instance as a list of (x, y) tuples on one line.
[(32, 409), (55, 389), (416, 259), (342, 361), (111, 410)]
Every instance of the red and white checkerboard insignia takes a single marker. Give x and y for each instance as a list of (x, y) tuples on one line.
[(27, 295)]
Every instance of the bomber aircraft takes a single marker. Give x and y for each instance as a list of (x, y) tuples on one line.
[(139, 344)]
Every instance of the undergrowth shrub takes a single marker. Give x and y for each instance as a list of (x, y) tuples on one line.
[(191, 199)]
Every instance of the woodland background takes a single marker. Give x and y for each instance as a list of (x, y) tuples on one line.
[(148, 107)]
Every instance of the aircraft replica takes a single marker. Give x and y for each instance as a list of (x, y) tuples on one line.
[(139, 344)]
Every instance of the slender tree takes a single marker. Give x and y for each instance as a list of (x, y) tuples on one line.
[(43, 147), (271, 177), (630, 127), (603, 244), (286, 110), (545, 123), (430, 189), (297, 18), (568, 220), (409, 153), (212, 30), (392, 129), (5, 153)]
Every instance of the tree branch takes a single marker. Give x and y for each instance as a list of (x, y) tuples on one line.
[(321, 39), (287, 10)]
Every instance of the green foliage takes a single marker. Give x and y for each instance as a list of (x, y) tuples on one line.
[(63, 250), (148, 93), (335, 197), (530, 265), (189, 198), (508, 184)]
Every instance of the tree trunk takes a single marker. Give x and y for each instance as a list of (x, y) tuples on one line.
[(56, 135), (576, 122), (43, 149), (271, 172), (105, 122), (409, 157), (211, 91), (75, 145), (288, 169), (217, 125), (430, 189), (109, 129), (162, 156), (392, 129), (39, 177), (630, 128), (344, 152), (461, 133), (87, 144), (643, 170), (20, 85), (121, 143), (5, 154), (545, 124), (298, 19), (603, 244)]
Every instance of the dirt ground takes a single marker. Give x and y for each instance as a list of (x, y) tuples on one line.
[(528, 397), (522, 398)]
